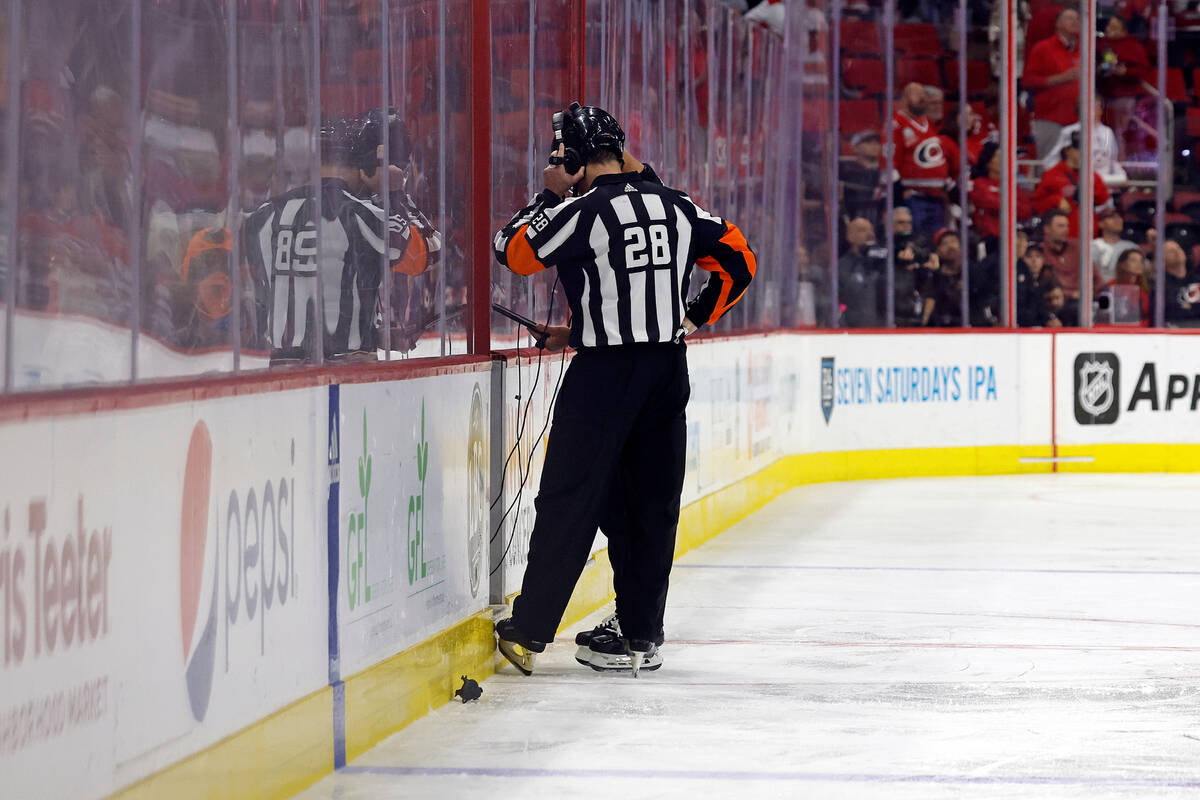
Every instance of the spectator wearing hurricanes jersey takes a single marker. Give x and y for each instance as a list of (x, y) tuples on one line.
[(1182, 287), (935, 109), (340, 285), (1052, 74), (1059, 188), (920, 161), (624, 247)]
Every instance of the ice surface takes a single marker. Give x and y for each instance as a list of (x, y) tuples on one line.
[(1024, 636)]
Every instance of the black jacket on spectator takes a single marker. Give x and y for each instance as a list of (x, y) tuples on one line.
[(859, 187), (1031, 308), (912, 286), (1068, 315), (1180, 310), (861, 287), (985, 294), (946, 291)]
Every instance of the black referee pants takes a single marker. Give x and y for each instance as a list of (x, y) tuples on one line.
[(615, 459)]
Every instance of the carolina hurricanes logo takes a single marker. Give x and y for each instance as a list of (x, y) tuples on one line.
[(199, 630), (929, 154)]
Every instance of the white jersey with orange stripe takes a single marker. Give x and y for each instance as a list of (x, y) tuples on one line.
[(624, 251)]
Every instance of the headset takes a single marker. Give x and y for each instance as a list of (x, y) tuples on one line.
[(583, 131), (571, 159), (370, 136)]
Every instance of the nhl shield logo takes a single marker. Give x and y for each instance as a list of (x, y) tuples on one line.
[(827, 388), (1097, 388)]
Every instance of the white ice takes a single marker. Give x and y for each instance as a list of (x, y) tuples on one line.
[(1024, 636)]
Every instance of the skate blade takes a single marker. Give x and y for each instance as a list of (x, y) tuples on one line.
[(636, 659), (609, 662), (517, 655)]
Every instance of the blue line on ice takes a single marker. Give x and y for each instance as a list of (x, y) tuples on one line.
[(810, 777), (1015, 570)]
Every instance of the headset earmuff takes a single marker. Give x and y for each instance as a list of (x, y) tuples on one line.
[(572, 160)]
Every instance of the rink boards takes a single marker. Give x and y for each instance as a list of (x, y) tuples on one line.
[(231, 595)]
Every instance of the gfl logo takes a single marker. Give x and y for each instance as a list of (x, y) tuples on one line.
[(238, 575)]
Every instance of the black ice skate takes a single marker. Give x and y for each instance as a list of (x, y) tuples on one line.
[(642, 653), (516, 646), (609, 653), (608, 627)]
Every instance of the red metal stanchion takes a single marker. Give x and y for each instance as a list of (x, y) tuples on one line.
[(479, 247), (579, 51), (1008, 151)]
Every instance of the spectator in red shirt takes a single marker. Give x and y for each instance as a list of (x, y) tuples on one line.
[(1061, 254), (1059, 188), (935, 109), (985, 195), (1123, 66), (920, 161), (1124, 63), (978, 134), (1052, 74)]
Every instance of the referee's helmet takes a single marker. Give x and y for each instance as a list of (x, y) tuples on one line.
[(399, 141), (591, 130), (341, 141)]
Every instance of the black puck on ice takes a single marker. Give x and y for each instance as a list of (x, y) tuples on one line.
[(471, 690)]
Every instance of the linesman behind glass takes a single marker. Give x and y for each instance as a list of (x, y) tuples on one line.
[(624, 246), (346, 277), (414, 305)]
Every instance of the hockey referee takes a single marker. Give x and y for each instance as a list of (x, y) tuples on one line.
[(346, 277), (624, 246)]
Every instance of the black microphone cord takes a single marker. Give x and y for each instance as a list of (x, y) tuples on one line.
[(525, 469)]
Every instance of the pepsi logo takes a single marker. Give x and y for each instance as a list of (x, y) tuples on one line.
[(236, 567), (199, 630)]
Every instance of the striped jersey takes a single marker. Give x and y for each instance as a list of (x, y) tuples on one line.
[(624, 251), (414, 303), (280, 243)]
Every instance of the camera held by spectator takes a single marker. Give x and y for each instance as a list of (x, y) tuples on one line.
[(915, 266)]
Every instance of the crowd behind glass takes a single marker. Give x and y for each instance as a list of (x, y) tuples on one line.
[(141, 136), (927, 247)]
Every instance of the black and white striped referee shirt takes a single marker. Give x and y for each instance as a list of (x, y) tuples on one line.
[(624, 251), (281, 245)]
